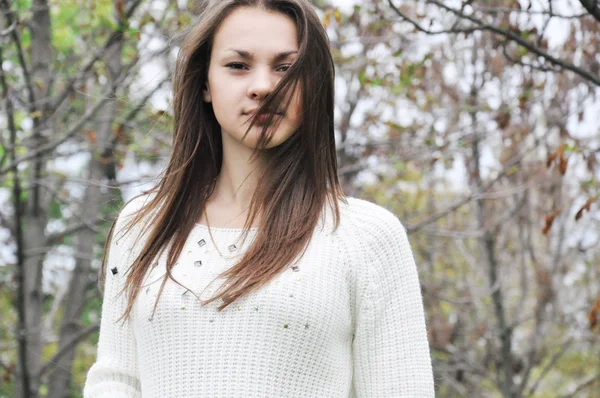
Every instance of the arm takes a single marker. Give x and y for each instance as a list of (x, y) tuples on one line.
[(115, 373), (390, 349)]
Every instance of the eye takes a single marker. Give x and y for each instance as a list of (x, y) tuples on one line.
[(287, 66), (235, 66)]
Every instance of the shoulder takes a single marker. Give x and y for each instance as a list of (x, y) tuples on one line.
[(366, 227), (128, 233), (128, 214), (367, 218)]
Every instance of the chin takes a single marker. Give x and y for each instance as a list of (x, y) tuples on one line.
[(251, 140)]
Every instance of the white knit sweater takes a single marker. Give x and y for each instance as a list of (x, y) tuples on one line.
[(347, 322)]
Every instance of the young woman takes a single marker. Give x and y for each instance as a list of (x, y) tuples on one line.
[(246, 271)]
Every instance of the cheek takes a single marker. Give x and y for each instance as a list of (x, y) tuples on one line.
[(294, 112), (222, 89)]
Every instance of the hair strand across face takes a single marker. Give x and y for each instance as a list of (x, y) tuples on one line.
[(300, 179)]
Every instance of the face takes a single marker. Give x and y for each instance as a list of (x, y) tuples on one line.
[(252, 50)]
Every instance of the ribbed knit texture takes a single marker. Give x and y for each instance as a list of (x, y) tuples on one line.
[(347, 322)]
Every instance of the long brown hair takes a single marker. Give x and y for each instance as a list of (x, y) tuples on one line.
[(301, 173)]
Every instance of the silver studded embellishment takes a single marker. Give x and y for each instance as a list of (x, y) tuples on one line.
[(306, 326), (295, 268), (232, 248), (201, 242), (114, 270), (256, 309), (197, 263)]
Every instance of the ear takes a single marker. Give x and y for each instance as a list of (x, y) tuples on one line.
[(206, 97)]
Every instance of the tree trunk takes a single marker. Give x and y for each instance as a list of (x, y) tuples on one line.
[(60, 378), (34, 220)]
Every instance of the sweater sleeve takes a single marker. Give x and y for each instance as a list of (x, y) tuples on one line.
[(115, 373), (391, 354)]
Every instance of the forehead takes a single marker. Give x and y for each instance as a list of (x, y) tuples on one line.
[(256, 30)]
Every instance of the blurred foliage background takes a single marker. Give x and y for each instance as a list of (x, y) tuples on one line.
[(476, 122)]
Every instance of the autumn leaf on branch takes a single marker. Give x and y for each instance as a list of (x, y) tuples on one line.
[(562, 159), (558, 153), (549, 220), (562, 164), (91, 135), (120, 8), (593, 315), (587, 206)]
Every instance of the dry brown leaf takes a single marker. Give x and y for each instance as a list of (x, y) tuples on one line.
[(502, 119), (550, 159), (35, 114), (562, 164), (327, 18), (91, 135), (558, 153), (549, 220), (587, 206), (591, 162), (593, 315), (120, 7)]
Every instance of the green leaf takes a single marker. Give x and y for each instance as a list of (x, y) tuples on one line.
[(362, 77), (522, 51), (109, 23), (23, 4), (54, 211)]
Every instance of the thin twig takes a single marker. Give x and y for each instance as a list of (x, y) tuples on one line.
[(480, 25), (68, 347), (516, 38), (75, 129)]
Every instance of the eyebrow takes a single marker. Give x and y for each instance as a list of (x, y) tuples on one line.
[(250, 56)]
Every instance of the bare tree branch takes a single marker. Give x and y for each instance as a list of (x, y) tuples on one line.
[(430, 32), (14, 33), (508, 166), (518, 39), (588, 383), (592, 7), (480, 25), (73, 130), (8, 31), (494, 10), (547, 368), (73, 228), (70, 85), (18, 233), (532, 66), (71, 346)]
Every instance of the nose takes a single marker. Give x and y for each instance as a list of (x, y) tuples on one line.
[(261, 84)]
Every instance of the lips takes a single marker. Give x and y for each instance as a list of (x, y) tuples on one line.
[(264, 118), (252, 112)]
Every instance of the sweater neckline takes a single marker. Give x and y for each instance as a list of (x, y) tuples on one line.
[(203, 227)]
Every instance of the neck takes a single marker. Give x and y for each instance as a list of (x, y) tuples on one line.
[(238, 178)]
